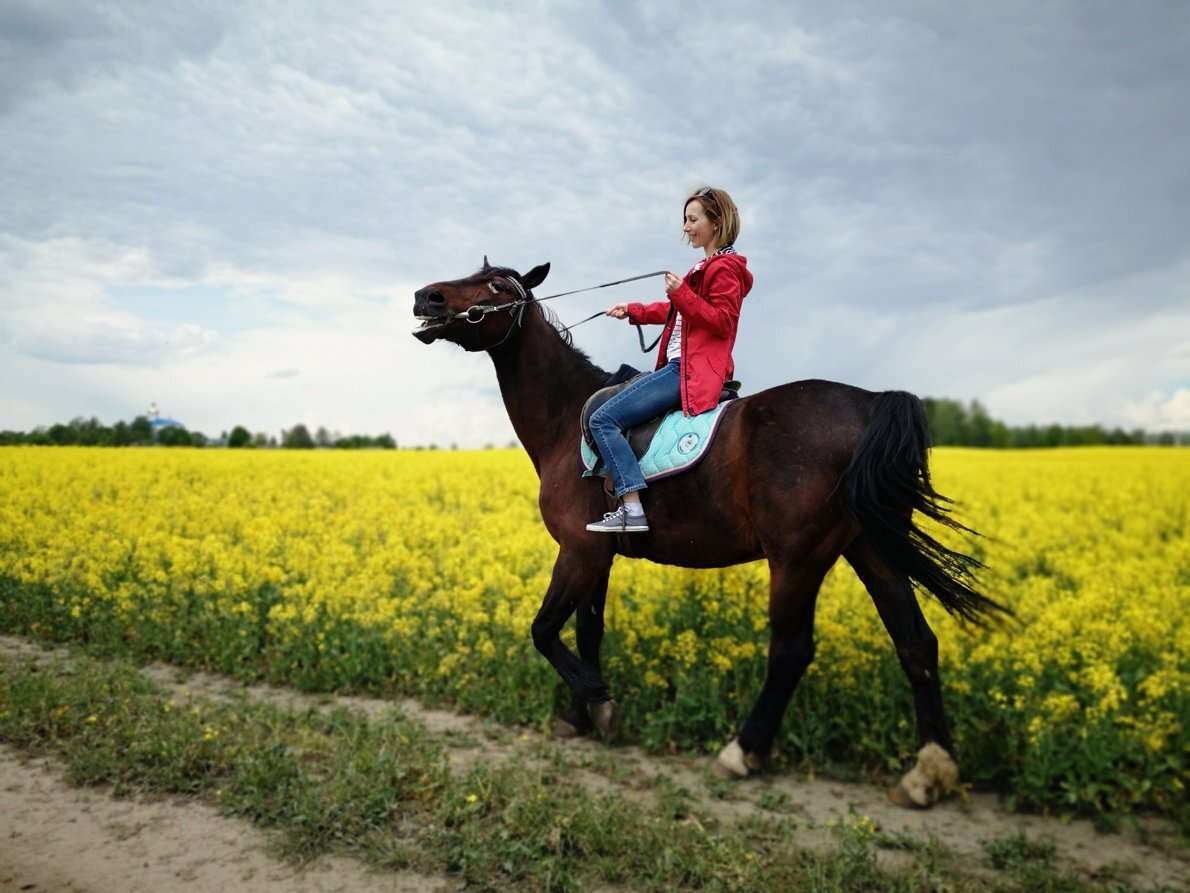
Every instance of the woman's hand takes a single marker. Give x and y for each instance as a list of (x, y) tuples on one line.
[(672, 283), (618, 311)]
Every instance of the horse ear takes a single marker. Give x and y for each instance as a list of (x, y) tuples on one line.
[(536, 276), (486, 265)]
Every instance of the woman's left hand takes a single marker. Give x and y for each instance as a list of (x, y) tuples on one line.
[(672, 283)]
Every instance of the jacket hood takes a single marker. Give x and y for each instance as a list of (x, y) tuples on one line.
[(735, 262)]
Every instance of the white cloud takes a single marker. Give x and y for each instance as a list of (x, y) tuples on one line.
[(227, 209), (1160, 410)]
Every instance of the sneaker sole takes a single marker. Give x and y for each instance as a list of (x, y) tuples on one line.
[(629, 528)]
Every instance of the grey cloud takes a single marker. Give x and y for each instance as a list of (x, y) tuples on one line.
[(902, 173), (114, 342)]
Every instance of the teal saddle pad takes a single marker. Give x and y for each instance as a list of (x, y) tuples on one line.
[(679, 444)]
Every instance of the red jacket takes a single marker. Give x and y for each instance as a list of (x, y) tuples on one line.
[(709, 300)]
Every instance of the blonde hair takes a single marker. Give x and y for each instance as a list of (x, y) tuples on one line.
[(722, 212)]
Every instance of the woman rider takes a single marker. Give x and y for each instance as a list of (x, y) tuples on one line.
[(701, 317)]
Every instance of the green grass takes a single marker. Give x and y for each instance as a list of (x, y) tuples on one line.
[(382, 789)]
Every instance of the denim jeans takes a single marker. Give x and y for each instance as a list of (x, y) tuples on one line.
[(646, 398)]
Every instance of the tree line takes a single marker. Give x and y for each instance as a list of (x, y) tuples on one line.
[(141, 432), (952, 423)]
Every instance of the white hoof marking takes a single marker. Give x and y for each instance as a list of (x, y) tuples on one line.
[(934, 775), (731, 758)]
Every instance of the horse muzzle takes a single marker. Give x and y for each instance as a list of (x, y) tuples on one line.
[(429, 307)]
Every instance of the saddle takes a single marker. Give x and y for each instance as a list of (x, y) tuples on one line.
[(640, 437)]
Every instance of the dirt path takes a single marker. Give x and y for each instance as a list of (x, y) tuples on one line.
[(54, 837)]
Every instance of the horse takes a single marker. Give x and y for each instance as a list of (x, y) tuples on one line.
[(800, 475)]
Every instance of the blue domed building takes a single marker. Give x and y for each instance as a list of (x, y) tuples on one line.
[(158, 421)]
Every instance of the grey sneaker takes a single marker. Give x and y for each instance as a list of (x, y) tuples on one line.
[(620, 521)]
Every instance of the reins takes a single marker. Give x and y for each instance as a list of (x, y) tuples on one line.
[(476, 312)]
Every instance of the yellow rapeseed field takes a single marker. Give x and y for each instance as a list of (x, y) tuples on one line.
[(420, 573)]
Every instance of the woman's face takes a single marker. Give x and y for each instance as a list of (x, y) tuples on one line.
[(699, 228)]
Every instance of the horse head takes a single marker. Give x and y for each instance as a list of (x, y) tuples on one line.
[(479, 312)]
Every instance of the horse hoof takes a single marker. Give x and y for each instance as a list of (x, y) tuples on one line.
[(901, 798), (934, 775), (605, 716), (563, 729), (574, 723), (732, 762)]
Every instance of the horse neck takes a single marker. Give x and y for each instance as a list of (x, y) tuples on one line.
[(544, 382)]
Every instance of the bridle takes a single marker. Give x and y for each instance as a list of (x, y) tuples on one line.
[(476, 313)]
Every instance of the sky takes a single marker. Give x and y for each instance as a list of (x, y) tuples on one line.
[(224, 208)]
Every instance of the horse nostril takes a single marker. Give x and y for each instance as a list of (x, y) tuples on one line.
[(429, 297)]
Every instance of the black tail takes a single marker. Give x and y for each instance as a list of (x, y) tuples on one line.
[(887, 480)]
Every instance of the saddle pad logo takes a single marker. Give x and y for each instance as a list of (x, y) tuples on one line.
[(688, 443)]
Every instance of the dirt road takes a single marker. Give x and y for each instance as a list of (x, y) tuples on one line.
[(55, 837)]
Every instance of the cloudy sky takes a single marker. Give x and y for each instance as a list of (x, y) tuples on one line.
[(225, 207)]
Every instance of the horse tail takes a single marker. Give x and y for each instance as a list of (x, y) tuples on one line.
[(887, 480)]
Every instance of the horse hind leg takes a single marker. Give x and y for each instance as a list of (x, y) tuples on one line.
[(792, 596), (935, 771)]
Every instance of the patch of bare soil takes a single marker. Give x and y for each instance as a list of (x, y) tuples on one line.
[(56, 837)]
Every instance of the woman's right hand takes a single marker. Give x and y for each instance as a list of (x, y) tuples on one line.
[(618, 311)]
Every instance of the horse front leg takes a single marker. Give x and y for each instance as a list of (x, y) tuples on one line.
[(588, 626), (935, 771), (792, 596), (578, 581)]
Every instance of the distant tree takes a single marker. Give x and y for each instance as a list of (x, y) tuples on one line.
[(323, 438), (63, 435), (297, 438), (88, 432), (174, 436), (365, 442), (979, 426), (1001, 435), (947, 421), (239, 437), (141, 430)]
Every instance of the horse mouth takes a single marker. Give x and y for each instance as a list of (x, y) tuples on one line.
[(428, 330)]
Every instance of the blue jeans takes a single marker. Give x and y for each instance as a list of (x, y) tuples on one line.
[(646, 398)]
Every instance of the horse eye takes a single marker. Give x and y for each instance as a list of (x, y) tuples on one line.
[(494, 288)]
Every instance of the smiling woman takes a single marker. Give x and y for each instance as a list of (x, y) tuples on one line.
[(701, 318)]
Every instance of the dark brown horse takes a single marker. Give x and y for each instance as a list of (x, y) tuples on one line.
[(800, 474)]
